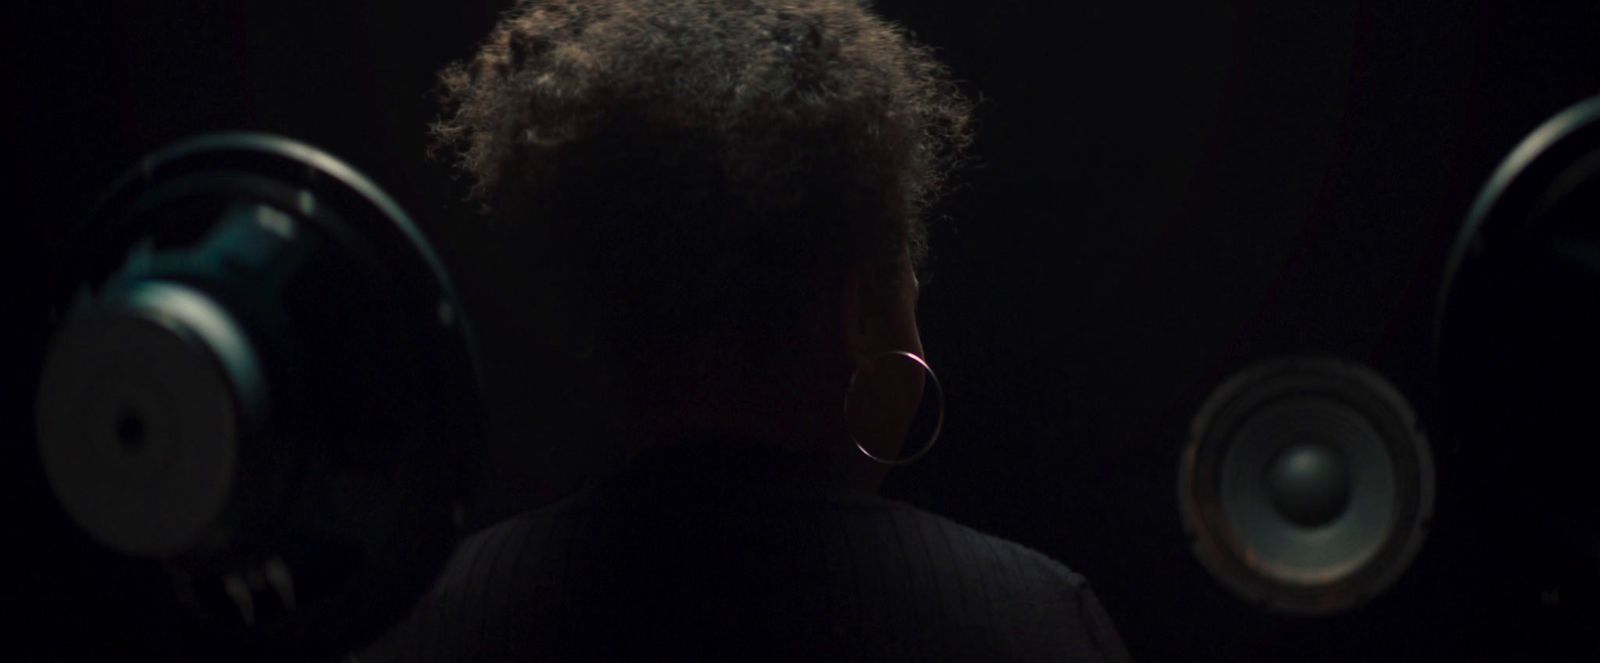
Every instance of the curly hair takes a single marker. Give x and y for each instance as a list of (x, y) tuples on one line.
[(708, 166)]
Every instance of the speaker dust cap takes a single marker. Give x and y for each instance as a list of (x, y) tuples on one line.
[(1306, 485)]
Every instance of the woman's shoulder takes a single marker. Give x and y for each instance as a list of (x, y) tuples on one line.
[(861, 559), (983, 548), (1019, 588)]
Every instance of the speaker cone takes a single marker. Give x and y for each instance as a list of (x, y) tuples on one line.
[(1306, 485)]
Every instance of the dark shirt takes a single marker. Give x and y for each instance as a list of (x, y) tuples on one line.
[(720, 552)]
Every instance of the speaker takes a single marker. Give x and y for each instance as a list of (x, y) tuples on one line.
[(260, 404), (1518, 348), (1306, 485)]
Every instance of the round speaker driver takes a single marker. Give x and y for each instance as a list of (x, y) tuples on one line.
[(1306, 485)]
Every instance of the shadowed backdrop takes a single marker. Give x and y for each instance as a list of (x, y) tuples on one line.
[(1160, 196)]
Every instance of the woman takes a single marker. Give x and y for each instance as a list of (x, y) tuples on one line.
[(734, 190)]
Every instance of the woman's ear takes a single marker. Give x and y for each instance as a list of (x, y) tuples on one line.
[(877, 310), (858, 318)]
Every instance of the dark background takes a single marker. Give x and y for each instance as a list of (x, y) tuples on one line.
[(1166, 194)]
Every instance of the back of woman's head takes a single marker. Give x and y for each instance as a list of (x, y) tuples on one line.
[(709, 169)]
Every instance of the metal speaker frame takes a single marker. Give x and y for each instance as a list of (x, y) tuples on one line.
[(1285, 416), (262, 402), (1549, 163)]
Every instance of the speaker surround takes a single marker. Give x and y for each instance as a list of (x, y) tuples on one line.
[(1306, 485)]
